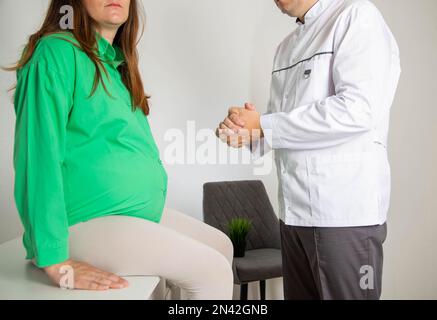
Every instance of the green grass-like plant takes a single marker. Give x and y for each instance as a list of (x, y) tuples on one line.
[(238, 229)]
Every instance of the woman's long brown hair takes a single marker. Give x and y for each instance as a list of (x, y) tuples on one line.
[(127, 39)]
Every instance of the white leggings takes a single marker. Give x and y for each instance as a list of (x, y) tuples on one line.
[(191, 254)]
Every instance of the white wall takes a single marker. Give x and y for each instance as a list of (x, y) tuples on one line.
[(200, 57), (411, 260)]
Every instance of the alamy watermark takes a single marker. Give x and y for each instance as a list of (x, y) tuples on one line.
[(67, 280), (367, 280), (67, 20), (202, 147)]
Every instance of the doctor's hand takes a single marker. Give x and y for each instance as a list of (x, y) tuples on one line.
[(237, 129)]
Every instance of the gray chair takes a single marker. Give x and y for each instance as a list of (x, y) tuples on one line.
[(223, 201)]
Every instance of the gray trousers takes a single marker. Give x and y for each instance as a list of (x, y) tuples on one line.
[(332, 263)]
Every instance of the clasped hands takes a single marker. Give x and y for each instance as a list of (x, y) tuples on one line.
[(241, 126)]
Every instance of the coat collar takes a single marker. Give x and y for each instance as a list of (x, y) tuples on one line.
[(314, 12), (108, 53)]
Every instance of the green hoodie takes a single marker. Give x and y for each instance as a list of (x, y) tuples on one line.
[(78, 157)]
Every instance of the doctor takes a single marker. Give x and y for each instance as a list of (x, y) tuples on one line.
[(333, 83)]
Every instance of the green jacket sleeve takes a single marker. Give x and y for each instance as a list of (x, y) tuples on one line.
[(42, 102)]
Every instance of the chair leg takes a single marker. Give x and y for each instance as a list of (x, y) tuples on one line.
[(243, 291), (262, 289)]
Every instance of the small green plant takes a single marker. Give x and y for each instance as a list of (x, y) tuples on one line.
[(238, 230)]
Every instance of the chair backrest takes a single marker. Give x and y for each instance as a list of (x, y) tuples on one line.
[(225, 200)]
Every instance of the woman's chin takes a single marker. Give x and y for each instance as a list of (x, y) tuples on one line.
[(115, 21)]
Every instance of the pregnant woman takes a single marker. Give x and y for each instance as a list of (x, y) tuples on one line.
[(90, 187)]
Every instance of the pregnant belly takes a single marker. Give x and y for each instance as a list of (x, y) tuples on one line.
[(114, 186)]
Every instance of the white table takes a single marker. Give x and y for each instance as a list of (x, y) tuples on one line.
[(20, 279)]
